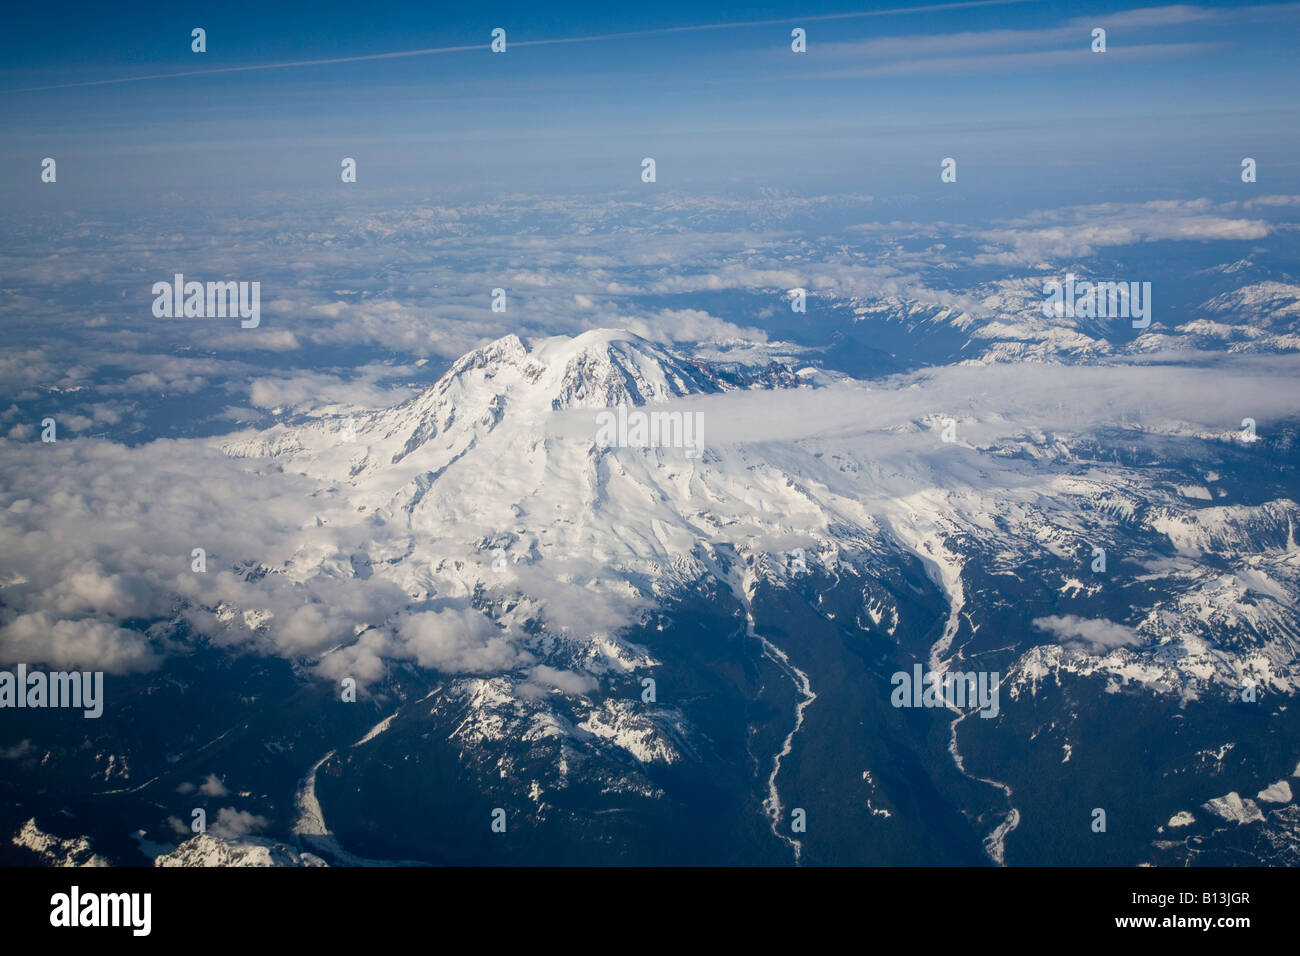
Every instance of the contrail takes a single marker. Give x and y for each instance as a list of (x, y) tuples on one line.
[(266, 66), (661, 31)]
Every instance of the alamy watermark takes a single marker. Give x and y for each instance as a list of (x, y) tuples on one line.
[(1101, 300), (211, 300), (639, 429), (75, 908), (974, 689), (79, 689)]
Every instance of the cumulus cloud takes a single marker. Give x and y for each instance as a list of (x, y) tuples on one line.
[(1273, 200), (232, 824), (567, 682), (457, 640), (690, 325), (17, 751), (300, 388), (212, 787), (1081, 230), (1095, 635), (41, 638), (98, 534), (362, 660)]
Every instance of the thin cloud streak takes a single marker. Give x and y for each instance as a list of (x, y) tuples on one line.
[(993, 62), (639, 34)]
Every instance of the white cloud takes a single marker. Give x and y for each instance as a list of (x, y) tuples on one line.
[(39, 637), (212, 787), (1081, 230), (457, 640), (1097, 635), (1078, 57), (232, 824), (567, 682), (690, 325)]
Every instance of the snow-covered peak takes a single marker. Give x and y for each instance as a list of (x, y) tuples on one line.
[(603, 368), (472, 502), (207, 850), (503, 379)]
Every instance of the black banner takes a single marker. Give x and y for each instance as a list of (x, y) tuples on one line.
[(337, 905)]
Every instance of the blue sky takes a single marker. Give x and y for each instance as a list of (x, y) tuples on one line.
[(1009, 89)]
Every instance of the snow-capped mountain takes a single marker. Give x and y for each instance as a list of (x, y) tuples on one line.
[(206, 850), (477, 611), (1004, 320), (542, 569)]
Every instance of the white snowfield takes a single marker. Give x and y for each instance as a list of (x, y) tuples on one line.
[(207, 850), (491, 482), (433, 531), (487, 501), (1234, 809), (1001, 321), (57, 851)]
